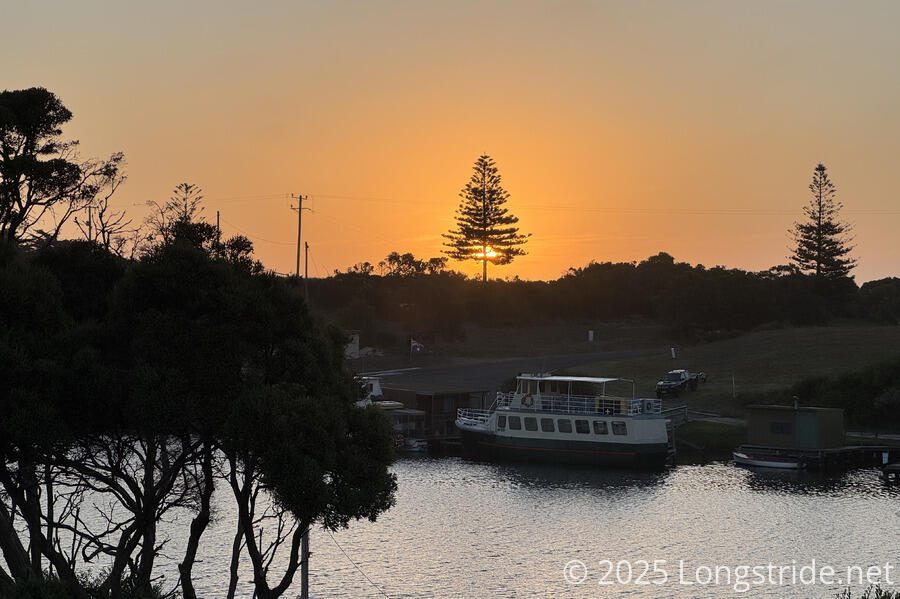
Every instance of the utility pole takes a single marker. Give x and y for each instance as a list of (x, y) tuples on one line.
[(299, 209), (306, 272), (218, 237), (90, 225)]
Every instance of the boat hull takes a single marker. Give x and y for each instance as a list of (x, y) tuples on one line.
[(743, 459), (488, 446)]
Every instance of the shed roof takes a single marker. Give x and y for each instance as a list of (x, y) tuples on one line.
[(792, 408)]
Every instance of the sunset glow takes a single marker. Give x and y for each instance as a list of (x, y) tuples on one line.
[(620, 129)]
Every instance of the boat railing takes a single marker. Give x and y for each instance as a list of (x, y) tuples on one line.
[(581, 404), (473, 415)]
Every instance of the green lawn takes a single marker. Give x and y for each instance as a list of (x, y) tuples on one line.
[(758, 362), (708, 440)]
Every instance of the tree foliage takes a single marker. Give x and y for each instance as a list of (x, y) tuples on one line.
[(821, 241), (182, 208), (43, 181), (485, 230), (178, 375), (696, 302)]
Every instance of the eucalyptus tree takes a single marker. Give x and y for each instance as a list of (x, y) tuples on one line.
[(193, 374), (43, 180)]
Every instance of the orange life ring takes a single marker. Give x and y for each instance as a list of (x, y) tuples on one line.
[(528, 401)]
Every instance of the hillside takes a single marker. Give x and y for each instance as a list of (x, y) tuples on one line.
[(760, 362)]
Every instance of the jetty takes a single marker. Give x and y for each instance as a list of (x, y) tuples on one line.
[(892, 472), (806, 438)]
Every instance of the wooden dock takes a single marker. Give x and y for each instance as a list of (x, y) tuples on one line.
[(892, 472)]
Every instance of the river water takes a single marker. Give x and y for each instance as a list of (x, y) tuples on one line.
[(465, 529)]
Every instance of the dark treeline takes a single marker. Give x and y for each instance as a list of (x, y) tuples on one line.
[(692, 300), (148, 368), (134, 390)]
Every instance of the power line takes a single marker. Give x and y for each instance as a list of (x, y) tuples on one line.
[(355, 565), (248, 198), (256, 237), (555, 207), (612, 209)]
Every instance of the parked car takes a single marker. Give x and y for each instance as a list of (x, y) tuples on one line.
[(677, 381)]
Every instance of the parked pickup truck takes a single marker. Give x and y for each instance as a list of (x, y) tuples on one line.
[(677, 381)]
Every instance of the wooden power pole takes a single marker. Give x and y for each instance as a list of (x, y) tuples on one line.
[(306, 272), (299, 209)]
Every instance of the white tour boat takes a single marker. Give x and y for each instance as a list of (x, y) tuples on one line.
[(567, 419)]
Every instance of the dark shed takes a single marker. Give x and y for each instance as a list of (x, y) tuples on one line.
[(795, 427)]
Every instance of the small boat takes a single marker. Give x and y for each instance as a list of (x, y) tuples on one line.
[(414, 445), (388, 405), (742, 458), (567, 420), (372, 387)]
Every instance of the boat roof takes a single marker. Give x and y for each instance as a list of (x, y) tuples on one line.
[(569, 379)]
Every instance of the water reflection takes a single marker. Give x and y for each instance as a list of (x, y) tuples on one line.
[(864, 483), (569, 477), (462, 528)]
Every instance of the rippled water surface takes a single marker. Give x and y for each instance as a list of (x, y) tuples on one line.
[(465, 529)]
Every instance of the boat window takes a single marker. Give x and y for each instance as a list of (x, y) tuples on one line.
[(600, 427), (564, 425), (781, 428), (501, 421), (619, 428), (515, 423), (547, 425), (530, 423), (582, 427)]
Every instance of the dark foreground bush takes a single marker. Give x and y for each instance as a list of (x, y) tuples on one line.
[(873, 592)]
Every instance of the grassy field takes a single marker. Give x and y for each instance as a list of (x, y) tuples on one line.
[(758, 362), (702, 441)]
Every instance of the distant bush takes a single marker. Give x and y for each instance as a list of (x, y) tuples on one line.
[(870, 396), (880, 300)]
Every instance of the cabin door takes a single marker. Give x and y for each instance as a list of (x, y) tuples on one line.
[(807, 430)]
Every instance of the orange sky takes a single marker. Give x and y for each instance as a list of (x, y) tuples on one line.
[(621, 129)]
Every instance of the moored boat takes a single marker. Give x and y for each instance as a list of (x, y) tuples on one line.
[(567, 419), (745, 459)]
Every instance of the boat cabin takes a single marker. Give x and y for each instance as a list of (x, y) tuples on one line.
[(574, 394)]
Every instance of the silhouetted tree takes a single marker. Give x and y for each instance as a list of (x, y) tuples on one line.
[(881, 300), (182, 208), (109, 227), (822, 240), (43, 182), (179, 370), (485, 230)]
